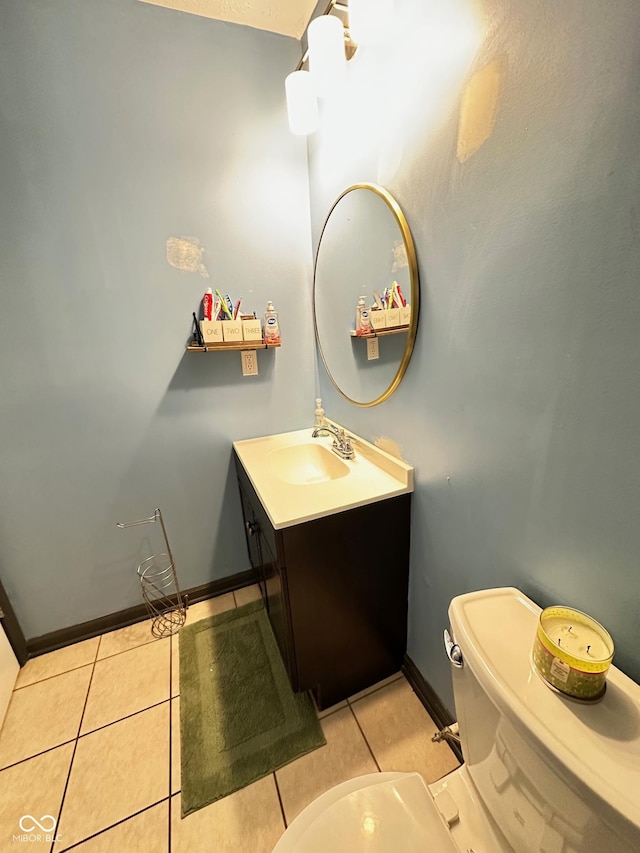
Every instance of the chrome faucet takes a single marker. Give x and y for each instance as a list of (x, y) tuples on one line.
[(341, 441)]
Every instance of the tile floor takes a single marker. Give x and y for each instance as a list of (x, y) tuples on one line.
[(92, 738)]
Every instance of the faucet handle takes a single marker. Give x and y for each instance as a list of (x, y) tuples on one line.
[(342, 442)]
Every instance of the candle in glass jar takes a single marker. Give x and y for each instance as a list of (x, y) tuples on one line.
[(577, 639), (572, 652)]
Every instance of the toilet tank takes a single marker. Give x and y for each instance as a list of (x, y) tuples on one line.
[(555, 775)]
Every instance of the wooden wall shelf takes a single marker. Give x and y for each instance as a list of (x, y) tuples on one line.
[(240, 345), (381, 333)]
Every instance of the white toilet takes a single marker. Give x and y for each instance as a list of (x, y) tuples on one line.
[(542, 772)]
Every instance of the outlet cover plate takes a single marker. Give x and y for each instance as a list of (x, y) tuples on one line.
[(249, 362), (373, 349)]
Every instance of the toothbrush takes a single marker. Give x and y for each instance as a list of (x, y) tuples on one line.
[(223, 305), (229, 306)]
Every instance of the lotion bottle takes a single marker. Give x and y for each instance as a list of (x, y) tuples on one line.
[(363, 321), (271, 328)]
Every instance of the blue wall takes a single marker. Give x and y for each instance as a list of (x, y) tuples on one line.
[(520, 408), (122, 125)]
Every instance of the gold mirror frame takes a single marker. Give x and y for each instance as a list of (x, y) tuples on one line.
[(412, 261)]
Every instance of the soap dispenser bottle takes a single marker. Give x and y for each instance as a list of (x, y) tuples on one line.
[(271, 327), (319, 413), (363, 320)]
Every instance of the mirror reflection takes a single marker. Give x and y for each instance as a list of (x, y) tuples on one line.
[(366, 294)]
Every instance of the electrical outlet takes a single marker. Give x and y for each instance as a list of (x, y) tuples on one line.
[(249, 362), (373, 350)]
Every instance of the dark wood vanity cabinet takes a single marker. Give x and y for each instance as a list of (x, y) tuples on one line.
[(335, 589)]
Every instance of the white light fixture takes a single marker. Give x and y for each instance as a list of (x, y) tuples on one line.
[(369, 20), (329, 44), (302, 106), (327, 59)]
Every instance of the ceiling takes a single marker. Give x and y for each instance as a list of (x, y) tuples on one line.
[(286, 17)]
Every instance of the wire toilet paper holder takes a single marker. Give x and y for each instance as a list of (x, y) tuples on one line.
[(166, 605)]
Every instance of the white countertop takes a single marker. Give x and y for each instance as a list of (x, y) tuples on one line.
[(373, 475)]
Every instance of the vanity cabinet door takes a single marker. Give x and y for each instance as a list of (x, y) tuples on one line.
[(266, 555), (348, 590), (278, 608), (258, 514), (251, 532), (252, 535)]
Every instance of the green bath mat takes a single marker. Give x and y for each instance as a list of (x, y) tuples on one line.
[(239, 718)]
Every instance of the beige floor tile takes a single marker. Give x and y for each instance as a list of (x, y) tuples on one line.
[(374, 687), (43, 715), (125, 638), (399, 732), (117, 771), (210, 607), (331, 709), (147, 832), (33, 787), (247, 594), (126, 683), (175, 665), (346, 755), (55, 663), (248, 821), (176, 776)]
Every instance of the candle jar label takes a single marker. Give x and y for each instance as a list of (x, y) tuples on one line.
[(560, 670), (562, 676)]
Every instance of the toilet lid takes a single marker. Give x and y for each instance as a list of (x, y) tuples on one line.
[(396, 814)]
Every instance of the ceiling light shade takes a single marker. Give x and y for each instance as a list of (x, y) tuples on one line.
[(327, 59), (369, 20), (302, 106)]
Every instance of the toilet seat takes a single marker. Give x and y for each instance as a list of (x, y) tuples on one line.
[(374, 813)]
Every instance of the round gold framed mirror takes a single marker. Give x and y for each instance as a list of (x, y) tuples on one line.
[(365, 246)]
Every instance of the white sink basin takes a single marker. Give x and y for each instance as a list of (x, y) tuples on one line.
[(306, 464), (299, 478)]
